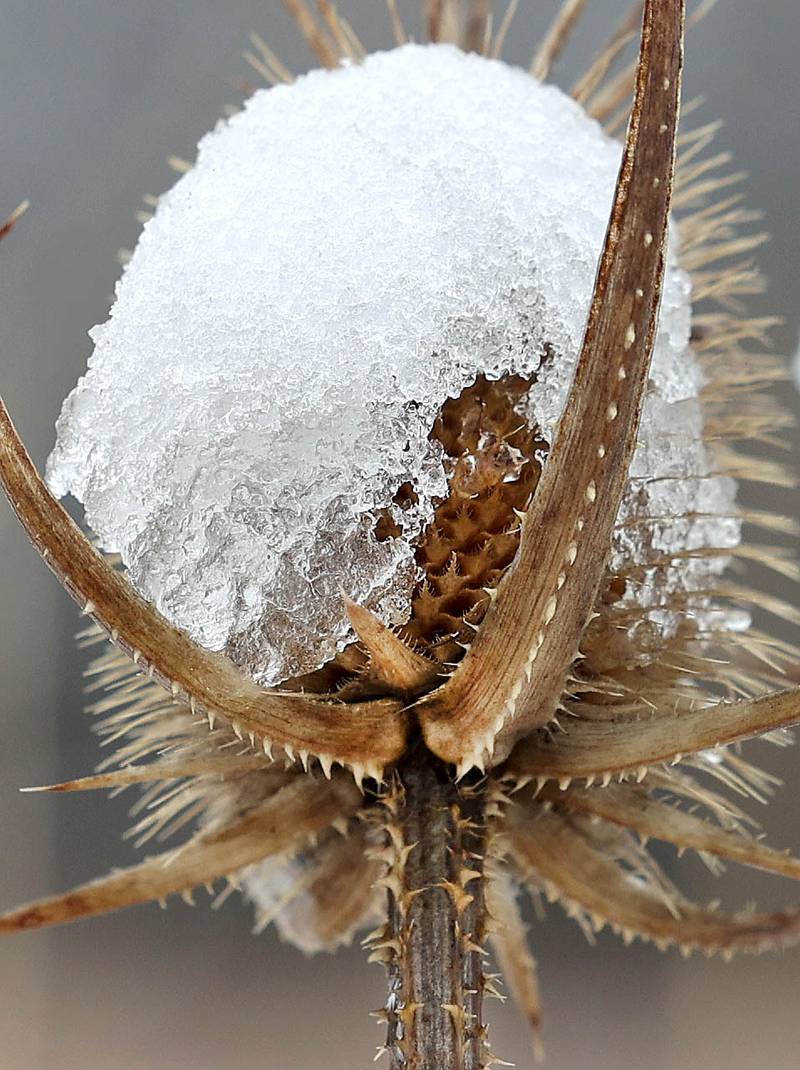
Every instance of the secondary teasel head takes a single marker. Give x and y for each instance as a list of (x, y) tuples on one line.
[(419, 473)]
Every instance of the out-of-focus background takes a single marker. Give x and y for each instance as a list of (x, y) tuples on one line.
[(95, 96)]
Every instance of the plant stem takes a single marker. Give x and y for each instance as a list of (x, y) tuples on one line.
[(436, 920)]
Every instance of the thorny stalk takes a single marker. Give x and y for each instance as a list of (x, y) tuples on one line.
[(437, 919), (399, 718)]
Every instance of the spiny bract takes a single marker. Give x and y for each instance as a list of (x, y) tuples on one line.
[(355, 329)]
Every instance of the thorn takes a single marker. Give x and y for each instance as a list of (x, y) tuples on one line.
[(178, 164), (13, 219), (358, 774)]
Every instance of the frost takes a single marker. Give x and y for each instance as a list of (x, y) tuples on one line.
[(348, 252)]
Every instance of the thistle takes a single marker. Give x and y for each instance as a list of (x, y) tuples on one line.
[(496, 648)]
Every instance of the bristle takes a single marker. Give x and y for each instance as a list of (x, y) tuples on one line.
[(316, 38), (400, 35), (625, 33), (177, 163), (334, 25), (477, 24), (13, 219), (502, 30), (556, 38), (278, 71)]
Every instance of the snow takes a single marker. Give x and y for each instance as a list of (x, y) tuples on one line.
[(348, 252)]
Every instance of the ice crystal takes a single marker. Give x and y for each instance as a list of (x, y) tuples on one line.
[(348, 252)]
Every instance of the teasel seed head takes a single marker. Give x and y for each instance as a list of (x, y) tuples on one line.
[(425, 516)]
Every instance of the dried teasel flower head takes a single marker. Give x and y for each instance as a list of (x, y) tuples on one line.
[(267, 422), (405, 483)]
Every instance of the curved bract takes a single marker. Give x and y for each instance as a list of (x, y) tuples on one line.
[(596, 750), (555, 855), (284, 821), (513, 674), (633, 807), (364, 736)]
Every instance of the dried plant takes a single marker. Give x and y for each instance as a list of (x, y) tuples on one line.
[(519, 731)]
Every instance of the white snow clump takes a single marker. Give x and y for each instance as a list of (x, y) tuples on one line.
[(348, 252)]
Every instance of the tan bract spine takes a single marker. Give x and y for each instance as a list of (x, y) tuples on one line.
[(513, 674)]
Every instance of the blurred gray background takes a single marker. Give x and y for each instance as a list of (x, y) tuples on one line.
[(95, 95)]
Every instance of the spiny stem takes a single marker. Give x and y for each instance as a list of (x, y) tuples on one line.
[(436, 920)]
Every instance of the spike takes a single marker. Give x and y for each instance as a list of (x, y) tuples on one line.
[(392, 662), (13, 219), (511, 948), (326, 764), (556, 38), (155, 771)]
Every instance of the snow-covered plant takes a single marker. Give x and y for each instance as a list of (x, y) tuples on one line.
[(424, 514)]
